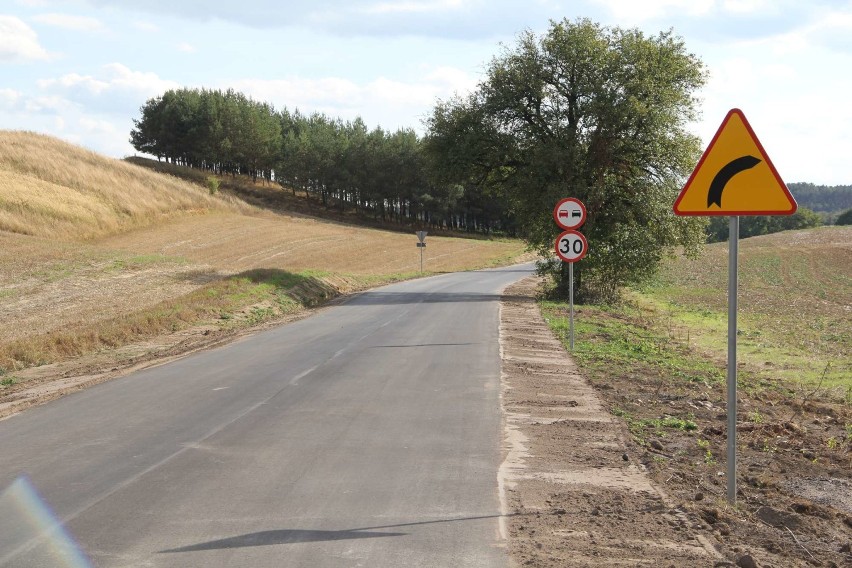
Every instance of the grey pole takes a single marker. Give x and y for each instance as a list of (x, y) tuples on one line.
[(733, 251), (421, 259), (571, 299)]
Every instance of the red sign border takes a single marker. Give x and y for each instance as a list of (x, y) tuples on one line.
[(582, 208), (582, 238), (765, 157)]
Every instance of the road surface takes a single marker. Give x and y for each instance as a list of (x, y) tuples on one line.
[(367, 435)]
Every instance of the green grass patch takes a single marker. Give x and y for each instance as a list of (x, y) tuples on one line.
[(641, 428), (626, 340), (139, 262)]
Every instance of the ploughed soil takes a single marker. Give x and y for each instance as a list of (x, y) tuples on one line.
[(580, 488)]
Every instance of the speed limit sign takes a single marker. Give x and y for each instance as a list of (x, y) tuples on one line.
[(571, 246)]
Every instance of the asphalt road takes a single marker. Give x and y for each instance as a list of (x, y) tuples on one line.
[(367, 435)]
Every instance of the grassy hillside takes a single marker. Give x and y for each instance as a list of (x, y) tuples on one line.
[(51, 188)]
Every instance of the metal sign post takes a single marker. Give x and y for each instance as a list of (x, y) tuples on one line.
[(421, 237), (734, 177), (571, 300), (571, 245), (733, 253)]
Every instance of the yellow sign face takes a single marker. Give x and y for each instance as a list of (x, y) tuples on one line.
[(735, 177)]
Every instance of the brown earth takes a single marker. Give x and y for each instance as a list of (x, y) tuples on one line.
[(579, 490)]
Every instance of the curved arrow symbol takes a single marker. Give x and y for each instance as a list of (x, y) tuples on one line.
[(731, 169)]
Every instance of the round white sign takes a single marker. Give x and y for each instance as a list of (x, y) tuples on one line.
[(571, 246), (569, 213)]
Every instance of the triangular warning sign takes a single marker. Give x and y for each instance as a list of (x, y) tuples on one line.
[(735, 176)]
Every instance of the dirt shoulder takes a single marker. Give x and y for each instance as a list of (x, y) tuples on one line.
[(574, 493), (580, 490)]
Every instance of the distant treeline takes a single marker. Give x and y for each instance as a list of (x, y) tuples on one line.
[(818, 205), (752, 226), (342, 164), (823, 198)]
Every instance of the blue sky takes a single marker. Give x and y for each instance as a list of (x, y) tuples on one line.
[(80, 69)]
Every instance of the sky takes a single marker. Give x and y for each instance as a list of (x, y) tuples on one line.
[(81, 69)]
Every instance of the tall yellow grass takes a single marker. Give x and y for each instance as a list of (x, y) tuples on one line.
[(51, 188)]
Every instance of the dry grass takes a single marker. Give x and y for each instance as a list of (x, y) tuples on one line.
[(50, 188), (219, 300)]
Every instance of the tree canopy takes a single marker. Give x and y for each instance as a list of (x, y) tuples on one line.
[(584, 111), (343, 164)]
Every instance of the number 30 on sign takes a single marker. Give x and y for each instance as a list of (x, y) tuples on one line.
[(571, 246)]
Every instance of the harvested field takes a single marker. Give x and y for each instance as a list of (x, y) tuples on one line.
[(795, 303)]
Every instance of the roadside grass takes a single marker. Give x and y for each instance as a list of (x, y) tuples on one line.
[(242, 300), (96, 254), (621, 343)]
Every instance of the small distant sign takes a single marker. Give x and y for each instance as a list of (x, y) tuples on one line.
[(421, 236), (421, 245)]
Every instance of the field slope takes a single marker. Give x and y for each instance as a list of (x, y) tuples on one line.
[(795, 292), (97, 253)]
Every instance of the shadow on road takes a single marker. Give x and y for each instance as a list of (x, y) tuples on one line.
[(294, 536), (266, 538)]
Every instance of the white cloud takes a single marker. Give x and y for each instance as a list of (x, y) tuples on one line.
[(52, 105), (452, 79), (18, 42), (144, 26), (9, 98), (96, 125), (117, 90), (747, 6), (75, 81), (414, 7), (117, 77), (632, 12), (58, 116), (186, 47), (382, 101), (794, 93), (70, 22)]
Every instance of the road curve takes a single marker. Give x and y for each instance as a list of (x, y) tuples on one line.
[(367, 435)]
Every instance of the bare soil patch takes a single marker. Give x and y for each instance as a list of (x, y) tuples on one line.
[(647, 487)]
